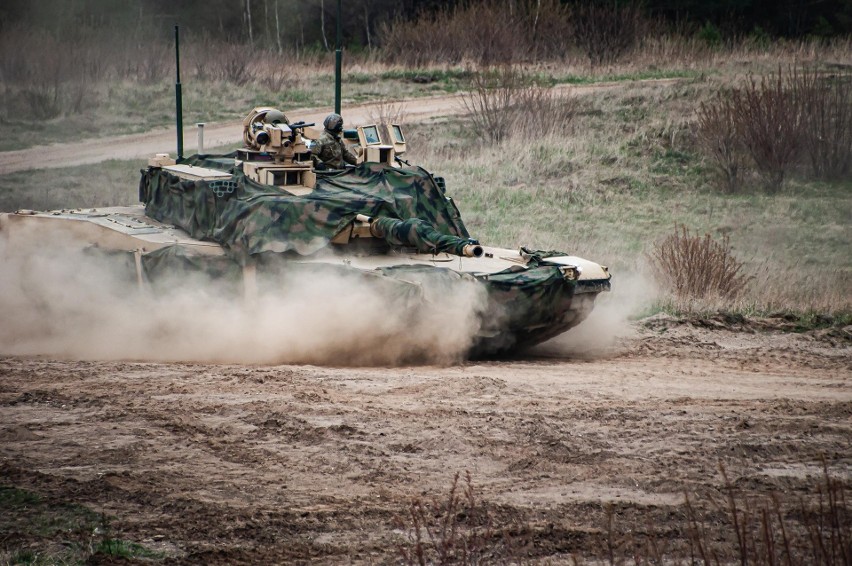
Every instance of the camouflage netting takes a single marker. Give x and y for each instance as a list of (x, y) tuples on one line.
[(526, 304), (248, 218)]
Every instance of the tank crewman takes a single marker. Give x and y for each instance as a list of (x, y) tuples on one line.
[(330, 150)]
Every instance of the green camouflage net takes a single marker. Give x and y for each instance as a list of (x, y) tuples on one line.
[(248, 218), (526, 303)]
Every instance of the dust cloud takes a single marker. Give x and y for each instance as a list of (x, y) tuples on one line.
[(62, 302), (608, 326)]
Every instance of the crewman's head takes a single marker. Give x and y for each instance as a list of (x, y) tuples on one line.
[(333, 123)]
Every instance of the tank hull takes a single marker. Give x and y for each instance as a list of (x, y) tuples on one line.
[(529, 299)]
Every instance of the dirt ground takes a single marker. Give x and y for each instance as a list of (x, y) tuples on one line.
[(302, 464)]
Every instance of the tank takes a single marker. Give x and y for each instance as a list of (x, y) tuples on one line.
[(270, 209)]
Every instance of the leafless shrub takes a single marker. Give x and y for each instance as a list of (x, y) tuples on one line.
[(43, 100), (764, 534), (737, 529), (487, 32), (200, 57), (153, 62), (718, 135), (457, 530), (387, 112), (232, 64), (540, 112), (43, 89), (276, 78), (827, 122), (769, 118), (607, 30), (490, 100), (547, 25), (695, 267), (792, 113), (503, 102)]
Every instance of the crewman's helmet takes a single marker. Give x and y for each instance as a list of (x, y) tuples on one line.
[(275, 117), (333, 123)]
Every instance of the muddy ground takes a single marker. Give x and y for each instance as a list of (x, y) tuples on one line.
[(302, 464)]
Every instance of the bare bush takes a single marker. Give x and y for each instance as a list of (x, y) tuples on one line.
[(276, 78), (827, 123), (457, 530), (769, 118), (547, 25), (387, 112), (764, 534), (232, 64), (490, 100), (718, 135), (487, 32), (607, 30), (153, 63), (540, 112), (503, 102), (45, 74), (695, 267)]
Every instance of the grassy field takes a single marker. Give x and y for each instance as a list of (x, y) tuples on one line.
[(624, 175), (616, 179)]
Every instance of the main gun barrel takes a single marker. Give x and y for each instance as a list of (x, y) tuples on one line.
[(419, 234)]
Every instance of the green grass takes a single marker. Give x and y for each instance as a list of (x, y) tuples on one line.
[(743, 313), (110, 183), (39, 530), (642, 75)]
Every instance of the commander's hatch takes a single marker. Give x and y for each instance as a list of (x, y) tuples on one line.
[(374, 147)]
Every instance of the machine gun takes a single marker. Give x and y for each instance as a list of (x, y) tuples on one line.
[(276, 152)]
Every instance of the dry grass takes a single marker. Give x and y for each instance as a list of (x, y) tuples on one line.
[(725, 527), (454, 530)]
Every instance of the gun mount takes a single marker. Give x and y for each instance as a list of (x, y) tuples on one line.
[(275, 151)]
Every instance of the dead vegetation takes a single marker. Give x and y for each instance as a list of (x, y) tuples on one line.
[(723, 528), (695, 267), (455, 530), (796, 119), (506, 102)]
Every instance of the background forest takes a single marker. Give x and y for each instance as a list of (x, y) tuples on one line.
[(300, 24)]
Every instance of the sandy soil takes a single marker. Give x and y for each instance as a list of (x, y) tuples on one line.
[(304, 464)]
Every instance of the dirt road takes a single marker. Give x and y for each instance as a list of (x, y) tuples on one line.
[(141, 146), (299, 464)]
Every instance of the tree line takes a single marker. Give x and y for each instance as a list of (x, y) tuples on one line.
[(311, 24)]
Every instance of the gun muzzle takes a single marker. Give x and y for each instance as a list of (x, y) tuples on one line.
[(472, 250)]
